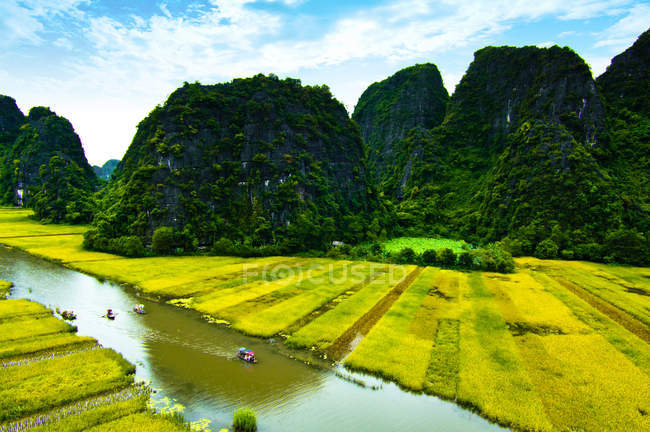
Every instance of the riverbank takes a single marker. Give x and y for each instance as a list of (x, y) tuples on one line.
[(53, 380), (536, 350)]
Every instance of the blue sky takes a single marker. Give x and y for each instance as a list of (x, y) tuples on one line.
[(105, 64)]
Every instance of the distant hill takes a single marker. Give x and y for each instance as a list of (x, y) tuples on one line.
[(105, 171)]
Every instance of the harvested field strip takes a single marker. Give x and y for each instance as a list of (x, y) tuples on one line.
[(263, 302), (343, 344), (492, 375), (49, 356), (602, 281), (85, 413), (213, 302), (216, 302), (583, 388), (442, 373), (330, 322), (630, 345), (37, 386), (31, 346), (336, 301), (392, 349), (632, 298), (624, 319), (14, 330), (312, 294)]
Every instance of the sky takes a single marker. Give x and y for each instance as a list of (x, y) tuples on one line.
[(106, 64)]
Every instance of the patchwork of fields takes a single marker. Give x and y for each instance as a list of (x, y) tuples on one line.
[(53, 380), (557, 346)]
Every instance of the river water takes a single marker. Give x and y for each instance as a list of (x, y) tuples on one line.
[(193, 362)]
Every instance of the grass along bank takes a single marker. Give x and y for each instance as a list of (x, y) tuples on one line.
[(521, 349), (54, 380)]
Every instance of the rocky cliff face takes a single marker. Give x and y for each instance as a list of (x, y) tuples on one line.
[(625, 88), (386, 111), (42, 136), (11, 118), (626, 82), (519, 153), (246, 160), (505, 86)]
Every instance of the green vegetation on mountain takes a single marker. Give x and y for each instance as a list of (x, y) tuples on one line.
[(412, 98), (257, 161), (42, 165), (521, 155), (625, 87)]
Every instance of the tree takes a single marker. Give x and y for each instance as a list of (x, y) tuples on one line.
[(546, 249), (162, 241), (447, 257)]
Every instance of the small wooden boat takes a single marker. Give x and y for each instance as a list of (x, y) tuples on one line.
[(110, 314), (247, 355), (139, 309), (68, 315)]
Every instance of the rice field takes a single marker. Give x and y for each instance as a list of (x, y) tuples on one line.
[(53, 380), (556, 346)]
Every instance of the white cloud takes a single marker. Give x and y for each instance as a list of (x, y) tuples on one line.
[(23, 21), (622, 34), (136, 62)]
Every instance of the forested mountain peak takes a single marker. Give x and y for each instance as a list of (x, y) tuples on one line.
[(258, 160), (414, 97)]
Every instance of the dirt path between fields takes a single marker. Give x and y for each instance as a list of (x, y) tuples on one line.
[(342, 345), (621, 317)]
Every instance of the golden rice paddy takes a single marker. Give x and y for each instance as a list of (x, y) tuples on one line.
[(556, 346)]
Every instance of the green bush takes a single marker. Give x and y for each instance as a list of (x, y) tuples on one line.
[(244, 420), (626, 246), (567, 254), (447, 257), (406, 256), (429, 257), (223, 246), (376, 249), (546, 249), (130, 246), (162, 241), (466, 260)]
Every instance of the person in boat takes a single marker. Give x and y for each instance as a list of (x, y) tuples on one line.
[(139, 308), (110, 314)]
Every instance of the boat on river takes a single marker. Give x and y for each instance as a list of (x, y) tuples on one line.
[(110, 314), (139, 309), (246, 355), (68, 315)]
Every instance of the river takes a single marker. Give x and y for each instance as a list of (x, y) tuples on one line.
[(192, 361)]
